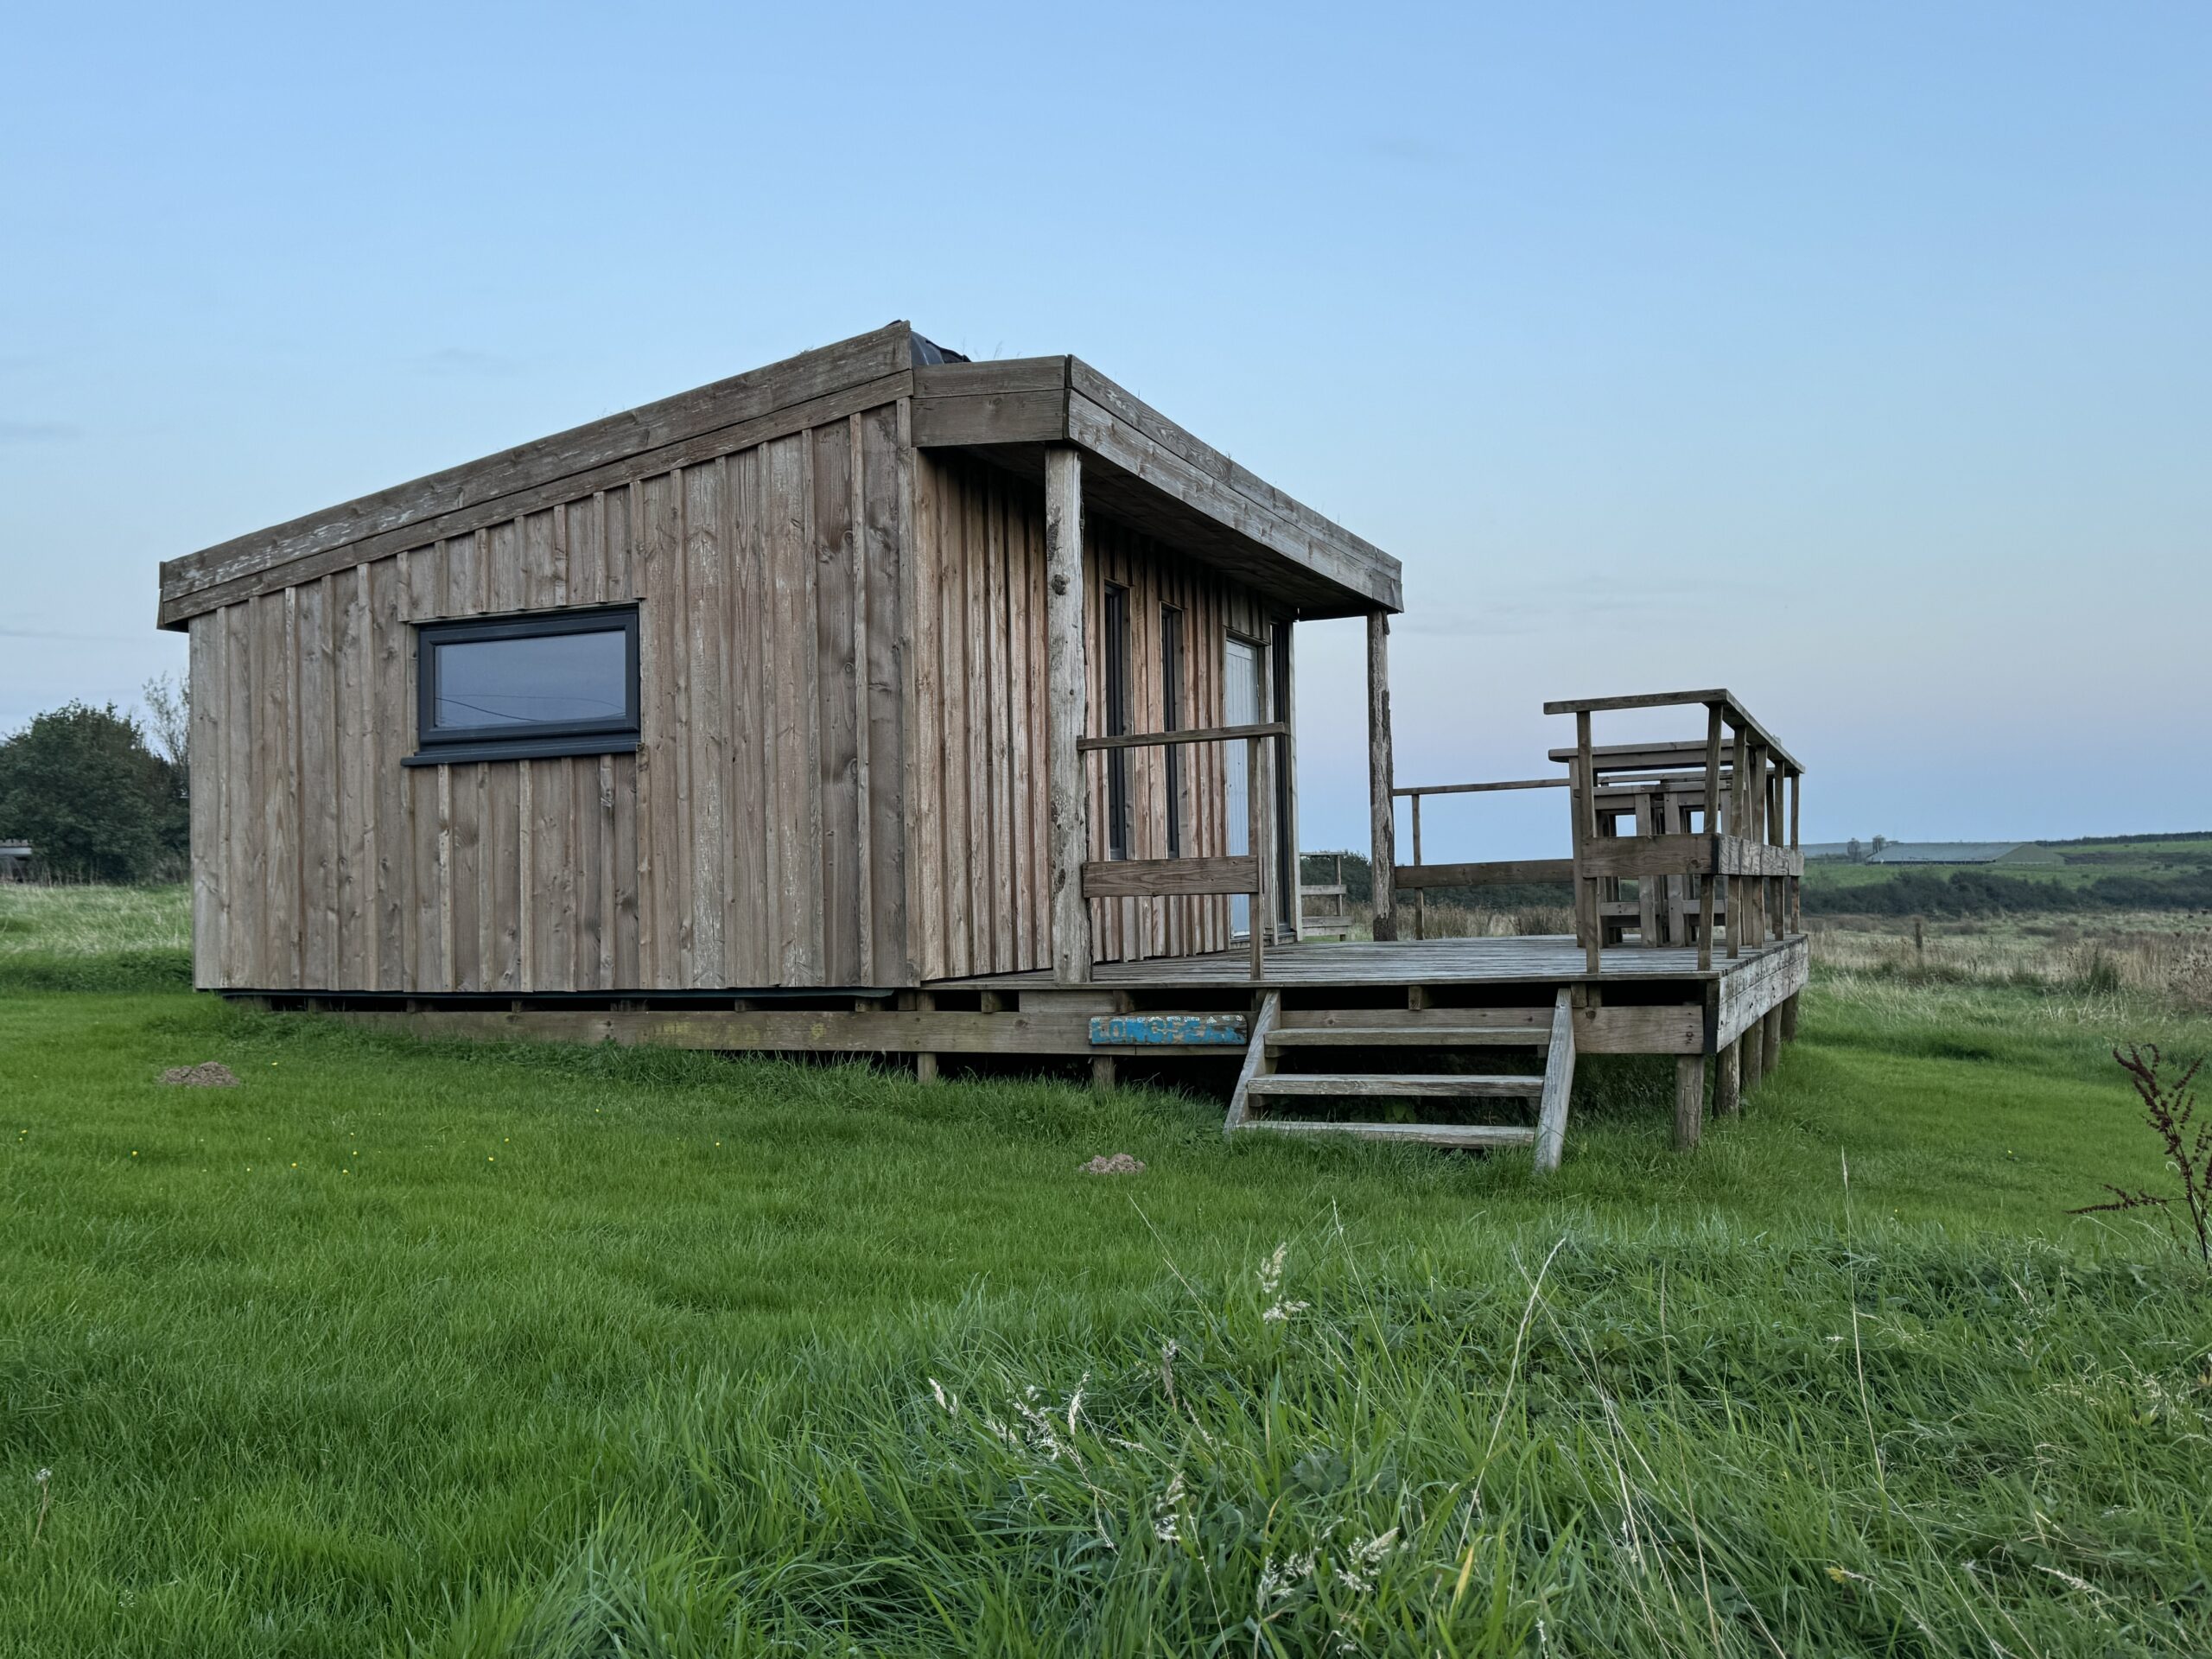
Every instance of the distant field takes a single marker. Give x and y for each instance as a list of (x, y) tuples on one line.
[(2138, 875), (2081, 865), (563, 1352)]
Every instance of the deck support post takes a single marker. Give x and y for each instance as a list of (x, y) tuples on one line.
[(1772, 1022), (1728, 1080), (1789, 1017), (1383, 811), (1704, 882), (1590, 922), (1753, 1044), (1101, 1072), (925, 1064), (1066, 689), (1689, 1099)]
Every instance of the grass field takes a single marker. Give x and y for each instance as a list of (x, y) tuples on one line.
[(2080, 864), (420, 1350)]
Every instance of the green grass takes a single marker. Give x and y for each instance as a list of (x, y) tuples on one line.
[(94, 939), (455, 1350)]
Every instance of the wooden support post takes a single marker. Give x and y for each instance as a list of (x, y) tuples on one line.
[(1728, 1080), (1650, 890), (1770, 1045), (1585, 832), (1797, 898), (1383, 812), (1285, 791), (1101, 1072), (1254, 799), (1421, 895), (1789, 1017), (1739, 796), (1689, 1099), (925, 1065), (1753, 1043), (1066, 680), (1704, 883)]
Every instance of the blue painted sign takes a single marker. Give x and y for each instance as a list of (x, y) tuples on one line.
[(1167, 1030)]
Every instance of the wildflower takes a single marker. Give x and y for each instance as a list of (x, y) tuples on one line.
[(1167, 1511), (1270, 1277), (1042, 1436), (1280, 1580), (43, 1476), (1365, 1559)]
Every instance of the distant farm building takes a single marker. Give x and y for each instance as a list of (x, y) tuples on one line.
[(15, 860), (1934, 852), (1964, 851)]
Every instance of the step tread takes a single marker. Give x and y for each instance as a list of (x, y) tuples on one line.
[(1437, 1135), (1407, 1037), (1538, 1021), (1400, 1084)]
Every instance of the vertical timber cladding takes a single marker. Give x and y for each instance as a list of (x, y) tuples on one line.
[(978, 896), (756, 838)]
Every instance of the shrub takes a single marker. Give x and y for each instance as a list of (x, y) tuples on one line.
[(80, 784)]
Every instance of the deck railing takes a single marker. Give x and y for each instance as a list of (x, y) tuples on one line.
[(1235, 872), (1421, 876), (1705, 827)]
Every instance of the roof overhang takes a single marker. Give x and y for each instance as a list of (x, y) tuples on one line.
[(1140, 467)]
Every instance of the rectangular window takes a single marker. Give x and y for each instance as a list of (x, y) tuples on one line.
[(513, 687), (1171, 718), (1115, 616)]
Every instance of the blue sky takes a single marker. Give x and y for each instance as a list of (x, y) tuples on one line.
[(1858, 358)]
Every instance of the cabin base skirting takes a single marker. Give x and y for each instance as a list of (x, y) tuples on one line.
[(1691, 1016)]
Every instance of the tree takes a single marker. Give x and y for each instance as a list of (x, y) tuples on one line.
[(168, 715), (169, 712), (81, 787)]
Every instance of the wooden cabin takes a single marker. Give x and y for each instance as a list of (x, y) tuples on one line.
[(883, 702), (751, 689)]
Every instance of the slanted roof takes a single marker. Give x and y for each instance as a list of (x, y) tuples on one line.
[(1141, 467)]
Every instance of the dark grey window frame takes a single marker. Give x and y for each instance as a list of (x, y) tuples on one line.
[(537, 740)]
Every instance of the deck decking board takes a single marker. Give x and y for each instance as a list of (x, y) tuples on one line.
[(1547, 959)]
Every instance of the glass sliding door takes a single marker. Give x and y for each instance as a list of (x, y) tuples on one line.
[(1241, 708)]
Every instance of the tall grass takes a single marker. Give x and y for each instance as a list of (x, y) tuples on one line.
[(1588, 1437), (81, 937), (2166, 957)]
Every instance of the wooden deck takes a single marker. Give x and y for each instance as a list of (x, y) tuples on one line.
[(1542, 960)]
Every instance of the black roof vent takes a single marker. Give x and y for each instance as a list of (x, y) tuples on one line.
[(928, 350)]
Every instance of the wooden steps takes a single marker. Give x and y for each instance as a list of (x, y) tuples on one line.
[(1276, 1035), (1406, 1037), (1433, 1134), (1400, 1086)]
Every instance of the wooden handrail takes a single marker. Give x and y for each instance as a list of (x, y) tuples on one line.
[(1719, 697), (1246, 873), (1480, 789), (1197, 734)]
